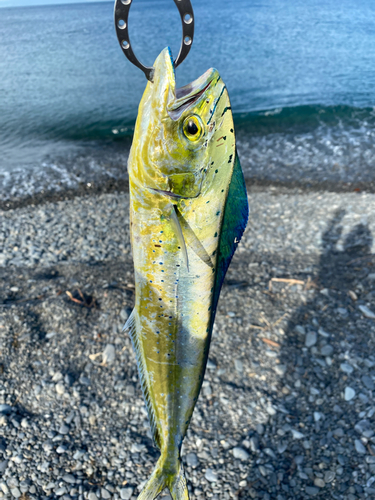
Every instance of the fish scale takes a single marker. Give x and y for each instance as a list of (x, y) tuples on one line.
[(188, 210)]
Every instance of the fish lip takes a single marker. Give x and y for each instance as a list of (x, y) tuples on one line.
[(173, 195), (189, 94)]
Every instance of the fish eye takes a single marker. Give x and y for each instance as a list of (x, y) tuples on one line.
[(192, 128)]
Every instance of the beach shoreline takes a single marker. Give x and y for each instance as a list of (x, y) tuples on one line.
[(286, 406)]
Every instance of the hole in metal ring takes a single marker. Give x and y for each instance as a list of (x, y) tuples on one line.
[(121, 24), (187, 40), (125, 44), (188, 19), (126, 2)]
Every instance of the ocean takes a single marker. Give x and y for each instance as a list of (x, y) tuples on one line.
[(300, 74)]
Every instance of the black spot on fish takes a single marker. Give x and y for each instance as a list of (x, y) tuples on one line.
[(215, 235), (230, 159), (216, 171), (225, 110), (232, 130), (158, 246)]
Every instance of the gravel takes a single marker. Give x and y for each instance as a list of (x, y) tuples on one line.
[(287, 408)]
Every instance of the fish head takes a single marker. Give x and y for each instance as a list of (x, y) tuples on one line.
[(177, 132)]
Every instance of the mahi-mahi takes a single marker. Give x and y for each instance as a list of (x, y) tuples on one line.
[(188, 210)]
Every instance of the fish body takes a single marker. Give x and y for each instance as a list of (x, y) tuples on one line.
[(188, 210)]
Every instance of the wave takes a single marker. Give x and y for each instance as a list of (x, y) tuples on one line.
[(314, 143), (299, 119)]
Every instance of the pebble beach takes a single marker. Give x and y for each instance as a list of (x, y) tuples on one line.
[(286, 409)]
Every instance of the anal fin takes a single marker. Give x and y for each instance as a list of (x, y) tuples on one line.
[(131, 327)]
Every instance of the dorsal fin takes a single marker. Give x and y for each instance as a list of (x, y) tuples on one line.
[(131, 328), (234, 222)]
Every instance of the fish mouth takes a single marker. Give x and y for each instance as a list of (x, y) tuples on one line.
[(189, 94)]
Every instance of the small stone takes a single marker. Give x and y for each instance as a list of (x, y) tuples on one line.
[(15, 492), (271, 410), (69, 478), (211, 476), (238, 365), (329, 476), (349, 393), (368, 382), (367, 313), (192, 460), (137, 448), (61, 449), (263, 470), (260, 429), (346, 368), (240, 453), (84, 380), (359, 447), (109, 354), (24, 423), (281, 447), (126, 493), (211, 365), (323, 333), (254, 444), (319, 482), (296, 434), (124, 314), (339, 432), (5, 409), (3, 466), (326, 350), (342, 311), (317, 416), (105, 494), (363, 426), (92, 496), (60, 389), (4, 488), (129, 390), (311, 339), (312, 491), (64, 429), (280, 370)]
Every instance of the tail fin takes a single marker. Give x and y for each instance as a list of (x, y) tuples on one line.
[(159, 480)]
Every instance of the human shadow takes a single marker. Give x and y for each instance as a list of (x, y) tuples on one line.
[(324, 339)]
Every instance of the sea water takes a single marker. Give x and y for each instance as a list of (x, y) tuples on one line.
[(300, 75)]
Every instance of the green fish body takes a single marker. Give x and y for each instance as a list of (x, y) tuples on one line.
[(188, 210)]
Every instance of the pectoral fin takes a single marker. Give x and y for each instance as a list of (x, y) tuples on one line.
[(192, 241), (180, 236)]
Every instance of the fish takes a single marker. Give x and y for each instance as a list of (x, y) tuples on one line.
[(188, 211)]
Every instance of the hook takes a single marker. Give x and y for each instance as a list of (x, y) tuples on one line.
[(122, 8)]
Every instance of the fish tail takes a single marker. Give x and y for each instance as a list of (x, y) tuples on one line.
[(161, 479), (177, 485)]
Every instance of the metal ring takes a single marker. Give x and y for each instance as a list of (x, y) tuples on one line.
[(122, 8)]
